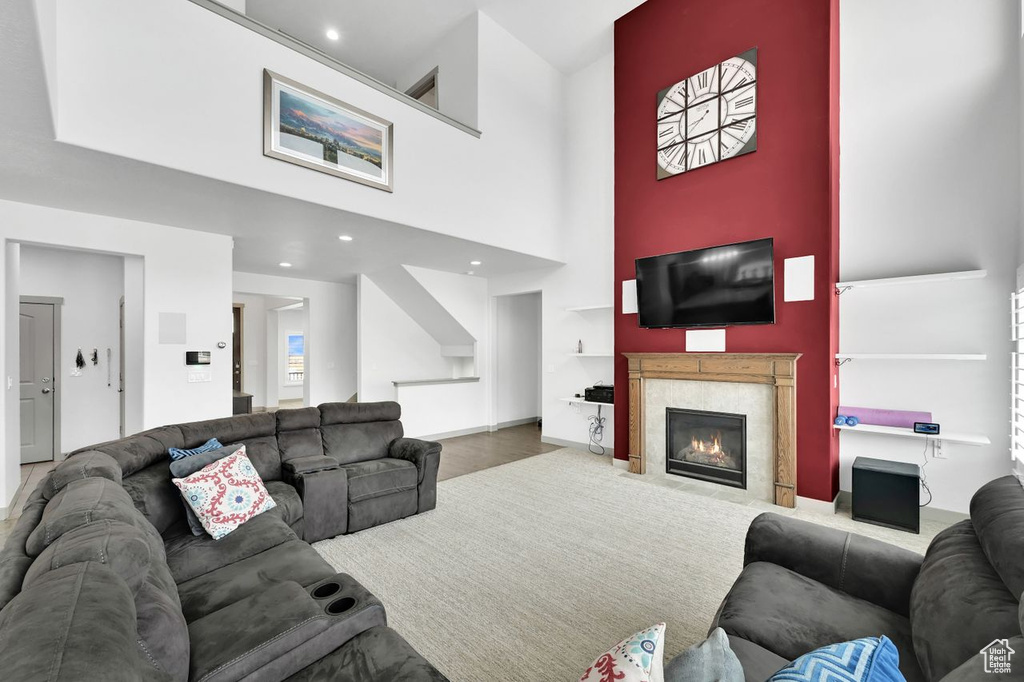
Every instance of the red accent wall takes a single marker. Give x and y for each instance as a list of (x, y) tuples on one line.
[(787, 189)]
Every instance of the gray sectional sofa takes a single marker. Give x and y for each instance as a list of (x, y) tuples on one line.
[(102, 578), (804, 586)]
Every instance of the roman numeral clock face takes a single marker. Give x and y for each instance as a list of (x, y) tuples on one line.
[(708, 117)]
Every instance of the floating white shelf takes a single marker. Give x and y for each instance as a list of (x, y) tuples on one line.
[(974, 357), (965, 438), (592, 355), (581, 401), (586, 308), (912, 279)]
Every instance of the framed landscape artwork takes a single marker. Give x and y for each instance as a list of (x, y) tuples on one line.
[(311, 129)]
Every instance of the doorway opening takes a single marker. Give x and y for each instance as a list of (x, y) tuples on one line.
[(425, 89), (70, 350), (517, 351), (270, 368)]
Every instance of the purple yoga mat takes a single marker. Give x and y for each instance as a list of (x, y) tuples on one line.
[(898, 418)]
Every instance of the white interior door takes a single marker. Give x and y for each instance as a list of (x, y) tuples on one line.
[(37, 382)]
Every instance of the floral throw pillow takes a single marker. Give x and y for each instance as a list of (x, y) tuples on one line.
[(225, 494), (637, 658)]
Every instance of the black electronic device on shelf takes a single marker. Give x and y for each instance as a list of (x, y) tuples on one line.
[(600, 394)]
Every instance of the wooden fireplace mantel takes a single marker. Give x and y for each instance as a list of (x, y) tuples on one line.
[(774, 369)]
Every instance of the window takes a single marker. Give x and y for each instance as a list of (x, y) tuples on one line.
[(296, 358)]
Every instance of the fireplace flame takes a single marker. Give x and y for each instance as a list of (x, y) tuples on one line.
[(708, 447)]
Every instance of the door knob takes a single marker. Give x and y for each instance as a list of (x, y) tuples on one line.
[(47, 390)]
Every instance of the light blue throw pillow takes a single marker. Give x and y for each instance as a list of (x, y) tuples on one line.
[(871, 659), (710, 661), (178, 453)]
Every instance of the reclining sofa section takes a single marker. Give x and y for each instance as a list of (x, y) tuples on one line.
[(103, 579)]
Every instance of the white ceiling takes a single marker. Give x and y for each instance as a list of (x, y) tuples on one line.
[(383, 37), (267, 228)]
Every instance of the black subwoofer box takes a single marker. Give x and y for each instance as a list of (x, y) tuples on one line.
[(887, 493)]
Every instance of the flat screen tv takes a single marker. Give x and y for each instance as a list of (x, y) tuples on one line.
[(713, 287)]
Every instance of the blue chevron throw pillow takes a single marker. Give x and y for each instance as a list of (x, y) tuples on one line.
[(872, 659)]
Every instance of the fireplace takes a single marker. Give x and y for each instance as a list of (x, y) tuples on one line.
[(711, 446)]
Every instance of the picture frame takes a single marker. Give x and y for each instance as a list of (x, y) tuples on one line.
[(309, 128)]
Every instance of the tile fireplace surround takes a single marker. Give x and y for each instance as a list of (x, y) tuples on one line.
[(761, 385)]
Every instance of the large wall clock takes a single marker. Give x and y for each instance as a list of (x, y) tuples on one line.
[(708, 117)]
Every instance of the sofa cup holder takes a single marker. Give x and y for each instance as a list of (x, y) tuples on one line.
[(340, 606), (343, 598), (326, 590)]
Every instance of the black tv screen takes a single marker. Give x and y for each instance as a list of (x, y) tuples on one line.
[(713, 287)]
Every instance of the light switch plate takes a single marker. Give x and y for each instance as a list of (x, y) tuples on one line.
[(199, 376)]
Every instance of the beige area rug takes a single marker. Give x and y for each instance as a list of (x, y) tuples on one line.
[(530, 570)]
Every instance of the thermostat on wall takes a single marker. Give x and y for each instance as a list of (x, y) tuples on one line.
[(197, 357)]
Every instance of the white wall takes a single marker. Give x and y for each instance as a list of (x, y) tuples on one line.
[(445, 179), (392, 347), (184, 272), (517, 350), (928, 185), (10, 473), (330, 337), (91, 286), (587, 278), (456, 57), (439, 410)]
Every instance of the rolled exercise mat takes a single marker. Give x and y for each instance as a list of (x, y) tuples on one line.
[(899, 418)]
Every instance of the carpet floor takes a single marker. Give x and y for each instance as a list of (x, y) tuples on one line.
[(528, 571)]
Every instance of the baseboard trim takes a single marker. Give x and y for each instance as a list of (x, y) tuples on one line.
[(454, 434), (608, 451), (515, 422), (818, 506), (947, 516), (620, 464)]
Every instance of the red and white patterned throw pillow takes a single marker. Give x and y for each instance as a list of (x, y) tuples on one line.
[(225, 494), (638, 658)]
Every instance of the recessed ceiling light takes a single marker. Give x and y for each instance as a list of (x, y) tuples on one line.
[(345, 238), (285, 265), (475, 262), (332, 34)]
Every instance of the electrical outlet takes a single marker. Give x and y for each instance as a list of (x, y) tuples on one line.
[(937, 452)]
